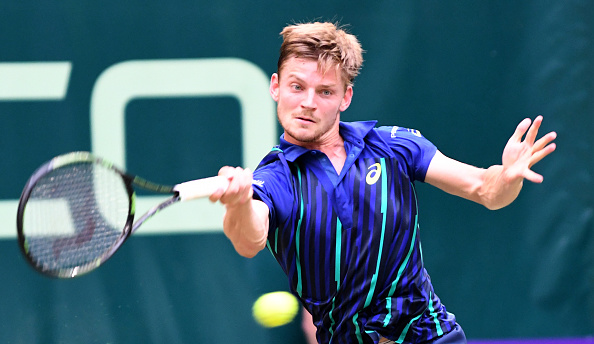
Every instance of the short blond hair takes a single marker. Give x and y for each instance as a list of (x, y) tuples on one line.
[(327, 43)]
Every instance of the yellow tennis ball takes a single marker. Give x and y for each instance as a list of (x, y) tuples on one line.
[(275, 309)]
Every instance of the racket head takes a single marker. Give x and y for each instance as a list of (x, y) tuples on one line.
[(74, 213)]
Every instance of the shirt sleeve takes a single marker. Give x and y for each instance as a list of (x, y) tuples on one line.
[(411, 145), (270, 187)]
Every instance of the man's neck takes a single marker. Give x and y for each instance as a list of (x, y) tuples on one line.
[(335, 151), (331, 145)]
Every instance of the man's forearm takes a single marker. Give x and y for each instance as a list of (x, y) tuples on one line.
[(246, 225)]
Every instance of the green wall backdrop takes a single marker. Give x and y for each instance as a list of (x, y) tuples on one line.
[(462, 72)]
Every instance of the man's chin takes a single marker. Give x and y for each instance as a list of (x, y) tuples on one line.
[(301, 137)]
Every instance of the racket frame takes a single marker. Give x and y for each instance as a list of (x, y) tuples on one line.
[(130, 226), (181, 192)]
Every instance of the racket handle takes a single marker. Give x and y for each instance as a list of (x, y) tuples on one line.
[(201, 187)]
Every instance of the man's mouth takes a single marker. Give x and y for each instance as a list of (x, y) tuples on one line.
[(305, 119)]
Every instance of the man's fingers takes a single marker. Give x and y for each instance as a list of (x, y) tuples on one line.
[(240, 186), (533, 131), (533, 176), (530, 151), (227, 171), (216, 196), (521, 130), (543, 141), (539, 155)]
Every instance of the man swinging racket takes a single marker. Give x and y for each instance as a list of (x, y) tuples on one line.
[(335, 202)]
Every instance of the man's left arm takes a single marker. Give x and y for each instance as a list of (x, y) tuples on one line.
[(498, 185)]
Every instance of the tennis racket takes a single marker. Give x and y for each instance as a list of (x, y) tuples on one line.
[(77, 209)]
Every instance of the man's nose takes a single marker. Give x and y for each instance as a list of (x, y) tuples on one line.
[(309, 100)]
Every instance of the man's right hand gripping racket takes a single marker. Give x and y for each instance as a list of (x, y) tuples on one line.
[(76, 210)]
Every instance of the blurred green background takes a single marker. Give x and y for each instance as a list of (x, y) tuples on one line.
[(464, 73)]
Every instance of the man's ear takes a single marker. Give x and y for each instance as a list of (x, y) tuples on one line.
[(274, 87), (346, 100)]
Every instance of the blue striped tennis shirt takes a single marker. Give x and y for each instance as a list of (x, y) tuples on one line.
[(349, 242)]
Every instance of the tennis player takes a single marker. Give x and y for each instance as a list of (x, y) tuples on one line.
[(335, 202)]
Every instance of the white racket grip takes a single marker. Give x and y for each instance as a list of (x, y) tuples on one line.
[(201, 187)]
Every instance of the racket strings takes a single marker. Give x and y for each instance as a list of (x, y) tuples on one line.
[(75, 215)]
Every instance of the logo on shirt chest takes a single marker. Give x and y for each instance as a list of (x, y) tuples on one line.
[(375, 172)]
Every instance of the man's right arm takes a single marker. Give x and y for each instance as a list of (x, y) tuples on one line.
[(247, 227), (246, 220)]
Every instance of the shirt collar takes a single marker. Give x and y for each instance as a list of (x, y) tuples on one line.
[(352, 132)]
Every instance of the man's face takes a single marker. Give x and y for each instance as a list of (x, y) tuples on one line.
[(309, 102)]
